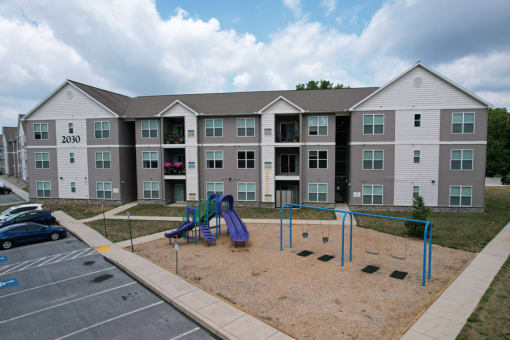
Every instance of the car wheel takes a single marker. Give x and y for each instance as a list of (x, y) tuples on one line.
[(54, 236), (6, 244)]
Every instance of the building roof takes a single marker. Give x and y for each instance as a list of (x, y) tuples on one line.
[(10, 133), (336, 100)]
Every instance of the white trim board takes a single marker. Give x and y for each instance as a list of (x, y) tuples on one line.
[(422, 143)]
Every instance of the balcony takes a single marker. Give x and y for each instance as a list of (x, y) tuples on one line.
[(287, 164), (174, 166), (173, 131), (287, 129)]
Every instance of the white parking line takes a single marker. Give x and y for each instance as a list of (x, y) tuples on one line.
[(185, 333), (53, 283), (109, 320), (65, 303), (8, 251)]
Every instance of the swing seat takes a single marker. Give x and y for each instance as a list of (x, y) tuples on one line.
[(305, 235), (325, 239)]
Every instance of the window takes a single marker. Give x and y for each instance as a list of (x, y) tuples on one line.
[(318, 159), (246, 127), (318, 192), (103, 160), (71, 157), (214, 188), (245, 191), (461, 160), (104, 190), (373, 159), (150, 159), (214, 159), (373, 124), (416, 156), (40, 130), (73, 186), (416, 191), (463, 122), (246, 159), (460, 195), (289, 164), (318, 126), (417, 120), (289, 132), (214, 127), (102, 130), (70, 127), (149, 128), (373, 194), (43, 189), (151, 190), (42, 160)]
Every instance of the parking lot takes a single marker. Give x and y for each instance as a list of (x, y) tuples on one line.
[(10, 199), (65, 289)]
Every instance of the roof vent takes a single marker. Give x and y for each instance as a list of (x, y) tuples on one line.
[(418, 82), (70, 94)]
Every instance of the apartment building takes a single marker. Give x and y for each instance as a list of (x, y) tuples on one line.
[(2, 164), (372, 148), (21, 151), (9, 137)]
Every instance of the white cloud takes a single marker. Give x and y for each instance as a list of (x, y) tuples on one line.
[(294, 6), (330, 6)]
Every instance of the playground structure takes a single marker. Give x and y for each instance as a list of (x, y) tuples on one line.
[(196, 221), (427, 236)]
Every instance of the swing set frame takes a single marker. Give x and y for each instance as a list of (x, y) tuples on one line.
[(427, 234)]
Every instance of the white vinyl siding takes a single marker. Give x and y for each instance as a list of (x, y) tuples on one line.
[(215, 188), (318, 159), (461, 160), (246, 191), (373, 159), (214, 127), (151, 190), (372, 194), (245, 127), (41, 131), (150, 159), (461, 196), (317, 192), (104, 190), (103, 160), (318, 125), (214, 159), (267, 154), (373, 124), (42, 160), (102, 130), (246, 159), (43, 189), (149, 128), (463, 122)]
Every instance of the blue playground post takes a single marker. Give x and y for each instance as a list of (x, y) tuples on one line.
[(290, 223), (195, 221)]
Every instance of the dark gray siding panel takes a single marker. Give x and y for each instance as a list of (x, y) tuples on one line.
[(357, 127), (50, 174), (480, 134), (29, 133), (104, 175), (155, 175), (317, 139), (114, 132), (318, 175), (128, 178), (229, 131), (138, 133)]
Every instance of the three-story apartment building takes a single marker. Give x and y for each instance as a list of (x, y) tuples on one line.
[(369, 147)]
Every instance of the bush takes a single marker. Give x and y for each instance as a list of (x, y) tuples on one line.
[(420, 212), (506, 179)]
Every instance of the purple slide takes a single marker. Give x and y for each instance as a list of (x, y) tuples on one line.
[(179, 231), (236, 227)]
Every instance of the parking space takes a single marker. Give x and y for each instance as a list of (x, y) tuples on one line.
[(10, 199), (65, 289)]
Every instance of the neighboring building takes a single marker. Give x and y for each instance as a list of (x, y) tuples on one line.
[(2, 165), (368, 147), (21, 152), (9, 135)]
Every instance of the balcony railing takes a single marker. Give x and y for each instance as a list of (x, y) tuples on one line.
[(174, 139), (175, 168)]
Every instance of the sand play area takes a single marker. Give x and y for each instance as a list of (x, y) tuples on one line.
[(311, 299)]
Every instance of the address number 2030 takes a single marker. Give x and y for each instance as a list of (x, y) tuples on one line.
[(70, 139)]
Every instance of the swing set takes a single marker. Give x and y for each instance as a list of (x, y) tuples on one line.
[(427, 235)]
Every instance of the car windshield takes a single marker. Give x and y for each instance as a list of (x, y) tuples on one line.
[(12, 217), (7, 211)]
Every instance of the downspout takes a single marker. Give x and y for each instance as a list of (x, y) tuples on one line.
[(162, 151)]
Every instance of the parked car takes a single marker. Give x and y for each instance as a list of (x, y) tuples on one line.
[(4, 189), (20, 208), (36, 216), (21, 233)]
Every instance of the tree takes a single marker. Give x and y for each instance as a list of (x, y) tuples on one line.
[(498, 143), (319, 85), (420, 212)]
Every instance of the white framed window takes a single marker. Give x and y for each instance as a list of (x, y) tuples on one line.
[(318, 159), (70, 127), (245, 127), (246, 159), (103, 160), (373, 159), (373, 124), (417, 120), (416, 156), (151, 190), (463, 122), (214, 188), (43, 189), (214, 159), (317, 192), (461, 196), (41, 131), (246, 191), (318, 125), (71, 157), (73, 186), (416, 191), (372, 194), (149, 128), (214, 127), (461, 159), (102, 130), (42, 160), (150, 159), (104, 190)]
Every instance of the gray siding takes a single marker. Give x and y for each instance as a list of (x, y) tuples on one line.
[(481, 116), (155, 175), (318, 175), (128, 178), (36, 175), (138, 133), (317, 139), (30, 133), (104, 175), (114, 132), (229, 131), (357, 127)]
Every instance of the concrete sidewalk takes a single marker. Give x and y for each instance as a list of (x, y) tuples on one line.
[(213, 313), (110, 213), (446, 317), (10, 182)]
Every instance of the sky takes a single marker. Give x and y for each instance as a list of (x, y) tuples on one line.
[(147, 47)]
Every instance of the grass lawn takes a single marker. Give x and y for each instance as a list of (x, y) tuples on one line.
[(491, 318), (154, 210), (469, 232), (274, 213), (118, 230), (78, 211)]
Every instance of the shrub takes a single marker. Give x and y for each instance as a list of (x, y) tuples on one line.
[(420, 212)]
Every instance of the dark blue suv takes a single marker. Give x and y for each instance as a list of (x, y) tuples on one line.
[(37, 216)]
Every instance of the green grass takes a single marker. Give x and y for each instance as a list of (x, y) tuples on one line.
[(469, 232), (154, 210), (491, 318), (77, 210), (118, 230), (274, 213)]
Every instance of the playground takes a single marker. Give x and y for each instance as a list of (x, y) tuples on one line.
[(307, 297)]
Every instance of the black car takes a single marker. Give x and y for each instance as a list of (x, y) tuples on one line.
[(4, 190), (29, 232), (37, 216)]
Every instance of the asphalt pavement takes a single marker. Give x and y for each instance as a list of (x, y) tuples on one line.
[(10, 199)]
